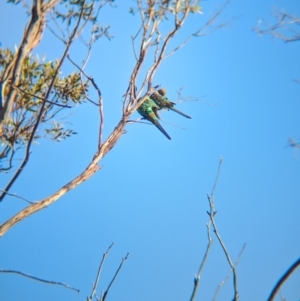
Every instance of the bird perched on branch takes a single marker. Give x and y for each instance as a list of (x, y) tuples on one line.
[(148, 109), (160, 99)]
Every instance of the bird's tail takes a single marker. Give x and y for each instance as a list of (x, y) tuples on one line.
[(179, 112), (157, 124)]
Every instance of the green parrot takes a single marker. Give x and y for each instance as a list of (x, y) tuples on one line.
[(148, 109), (159, 97)]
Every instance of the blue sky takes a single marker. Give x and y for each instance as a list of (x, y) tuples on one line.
[(150, 196)]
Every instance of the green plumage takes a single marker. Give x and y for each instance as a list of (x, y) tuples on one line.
[(148, 109), (160, 99)]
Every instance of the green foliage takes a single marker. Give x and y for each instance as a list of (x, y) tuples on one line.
[(163, 8), (35, 79), (57, 132), (33, 91)]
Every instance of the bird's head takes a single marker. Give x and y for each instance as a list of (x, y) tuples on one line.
[(162, 92)]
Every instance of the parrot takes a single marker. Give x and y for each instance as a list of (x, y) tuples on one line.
[(148, 109), (160, 99)]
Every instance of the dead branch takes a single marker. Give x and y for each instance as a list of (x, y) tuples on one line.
[(229, 273), (283, 278), (212, 214), (100, 100), (114, 278), (284, 28), (40, 279), (93, 293), (198, 276), (16, 196)]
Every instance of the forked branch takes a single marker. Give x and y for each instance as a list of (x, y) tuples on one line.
[(212, 213), (151, 16), (95, 285)]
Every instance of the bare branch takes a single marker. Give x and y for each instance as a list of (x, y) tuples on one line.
[(93, 293), (88, 77), (283, 278), (229, 273), (39, 279), (217, 177), (212, 214), (198, 276), (83, 176), (285, 27), (100, 100), (209, 25), (115, 276), (16, 196), (8, 149), (132, 40)]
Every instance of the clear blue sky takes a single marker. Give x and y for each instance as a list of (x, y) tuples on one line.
[(150, 196)]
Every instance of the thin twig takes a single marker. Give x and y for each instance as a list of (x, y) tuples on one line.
[(209, 24), (217, 177), (88, 77), (198, 276), (100, 105), (212, 214), (284, 22), (112, 281), (283, 278), (42, 98), (229, 273), (39, 279), (16, 196), (9, 160), (132, 40), (93, 293)]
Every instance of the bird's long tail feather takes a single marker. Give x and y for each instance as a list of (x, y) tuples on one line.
[(157, 124), (179, 112)]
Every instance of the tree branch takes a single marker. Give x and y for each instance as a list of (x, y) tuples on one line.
[(41, 112), (229, 273), (40, 279), (283, 278), (93, 293), (212, 214), (198, 276), (115, 276)]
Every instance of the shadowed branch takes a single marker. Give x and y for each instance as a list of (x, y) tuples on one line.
[(283, 278), (40, 279), (114, 278)]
